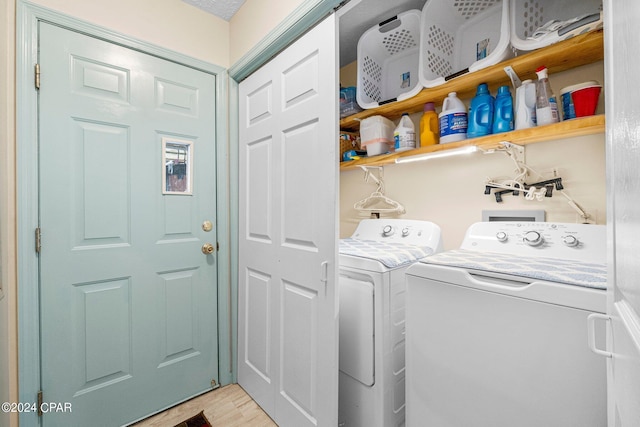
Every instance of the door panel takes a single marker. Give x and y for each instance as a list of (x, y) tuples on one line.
[(622, 53), (288, 185), (128, 299)]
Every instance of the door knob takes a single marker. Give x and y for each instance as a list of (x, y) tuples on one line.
[(207, 248)]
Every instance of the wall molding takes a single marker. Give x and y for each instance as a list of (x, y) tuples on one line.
[(305, 16)]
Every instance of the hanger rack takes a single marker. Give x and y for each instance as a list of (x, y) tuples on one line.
[(536, 191), (531, 191), (377, 202)]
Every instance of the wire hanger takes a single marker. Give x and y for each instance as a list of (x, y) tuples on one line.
[(377, 201)]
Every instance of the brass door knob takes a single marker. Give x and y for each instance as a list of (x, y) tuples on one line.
[(207, 248)]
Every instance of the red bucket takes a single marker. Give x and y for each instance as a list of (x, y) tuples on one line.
[(585, 100)]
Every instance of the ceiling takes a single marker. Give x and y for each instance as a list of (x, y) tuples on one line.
[(224, 9)]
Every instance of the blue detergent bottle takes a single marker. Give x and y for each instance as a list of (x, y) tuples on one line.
[(481, 112), (503, 112)]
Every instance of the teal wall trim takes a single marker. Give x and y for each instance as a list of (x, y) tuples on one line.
[(28, 16), (234, 162), (309, 13)]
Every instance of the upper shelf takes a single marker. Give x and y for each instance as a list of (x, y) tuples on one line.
[(562, 56)]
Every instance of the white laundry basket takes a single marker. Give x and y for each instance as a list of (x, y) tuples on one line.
[(459, 36), (529, 15), (388, 61)]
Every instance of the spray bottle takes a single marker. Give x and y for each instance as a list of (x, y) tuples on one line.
[(546, 104)]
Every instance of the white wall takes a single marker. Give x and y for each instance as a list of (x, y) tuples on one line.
[(172, 24), (254, 20), (450, 191)]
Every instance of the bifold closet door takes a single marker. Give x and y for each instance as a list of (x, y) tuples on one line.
[(287, 320)]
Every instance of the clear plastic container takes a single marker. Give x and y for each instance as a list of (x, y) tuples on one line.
[(376, 135)]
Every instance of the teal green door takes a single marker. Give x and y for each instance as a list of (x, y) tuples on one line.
[(127, 185)]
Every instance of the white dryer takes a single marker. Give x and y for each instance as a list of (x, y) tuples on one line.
[(497, 331), (373, 262)]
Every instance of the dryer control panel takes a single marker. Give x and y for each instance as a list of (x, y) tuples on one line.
[(585, 242), (407, 231)]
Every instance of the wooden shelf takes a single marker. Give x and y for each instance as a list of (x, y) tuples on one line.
[(562, 56), (567, 129)]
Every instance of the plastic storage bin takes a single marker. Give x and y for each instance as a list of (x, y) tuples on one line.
[(376, 135), (461, 36), (527, 16), (348, 103), (388, 61)]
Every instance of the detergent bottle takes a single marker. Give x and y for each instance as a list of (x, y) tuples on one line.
[(453, 119), (429, 134), (404, 135), (503, 112), (526, 105), (546, 104), (481, 112)]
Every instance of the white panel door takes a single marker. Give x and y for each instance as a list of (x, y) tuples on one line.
[(622, 55), (287, 328), (127, 177)]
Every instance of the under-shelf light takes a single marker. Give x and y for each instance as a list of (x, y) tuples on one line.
[(437, 154)]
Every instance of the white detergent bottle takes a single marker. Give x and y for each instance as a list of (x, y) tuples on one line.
[(546, 104), (526, 105), (453, 120), (404, 135)]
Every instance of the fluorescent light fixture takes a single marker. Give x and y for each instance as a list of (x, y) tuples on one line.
[(437, 154)]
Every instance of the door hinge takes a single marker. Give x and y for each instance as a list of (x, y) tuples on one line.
[(217, 247), (37, 77), (38, 240), (40, 399)]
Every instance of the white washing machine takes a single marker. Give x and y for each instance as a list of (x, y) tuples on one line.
[(373, 262), (497, 331)]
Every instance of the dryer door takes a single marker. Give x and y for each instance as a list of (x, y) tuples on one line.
[(357, 329)]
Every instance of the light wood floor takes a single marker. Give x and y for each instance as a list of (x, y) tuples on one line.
[(228, 406)]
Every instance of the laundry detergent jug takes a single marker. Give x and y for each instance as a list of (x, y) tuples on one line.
[(481, 112), (453, 120), (503, 111)]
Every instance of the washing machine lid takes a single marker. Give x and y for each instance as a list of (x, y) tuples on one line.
[(391, 255), (570, 272)]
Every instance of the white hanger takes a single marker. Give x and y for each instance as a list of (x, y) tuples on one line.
[(377, 201)]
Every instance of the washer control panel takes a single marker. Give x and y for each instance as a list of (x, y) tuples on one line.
[(545, 239), (411, 232)]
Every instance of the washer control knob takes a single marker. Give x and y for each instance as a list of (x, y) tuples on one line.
[(502, 236), (533, 238), (571, 241), (387, 230), (405, 232)]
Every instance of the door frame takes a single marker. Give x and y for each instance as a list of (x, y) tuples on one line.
[(28, 15)]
